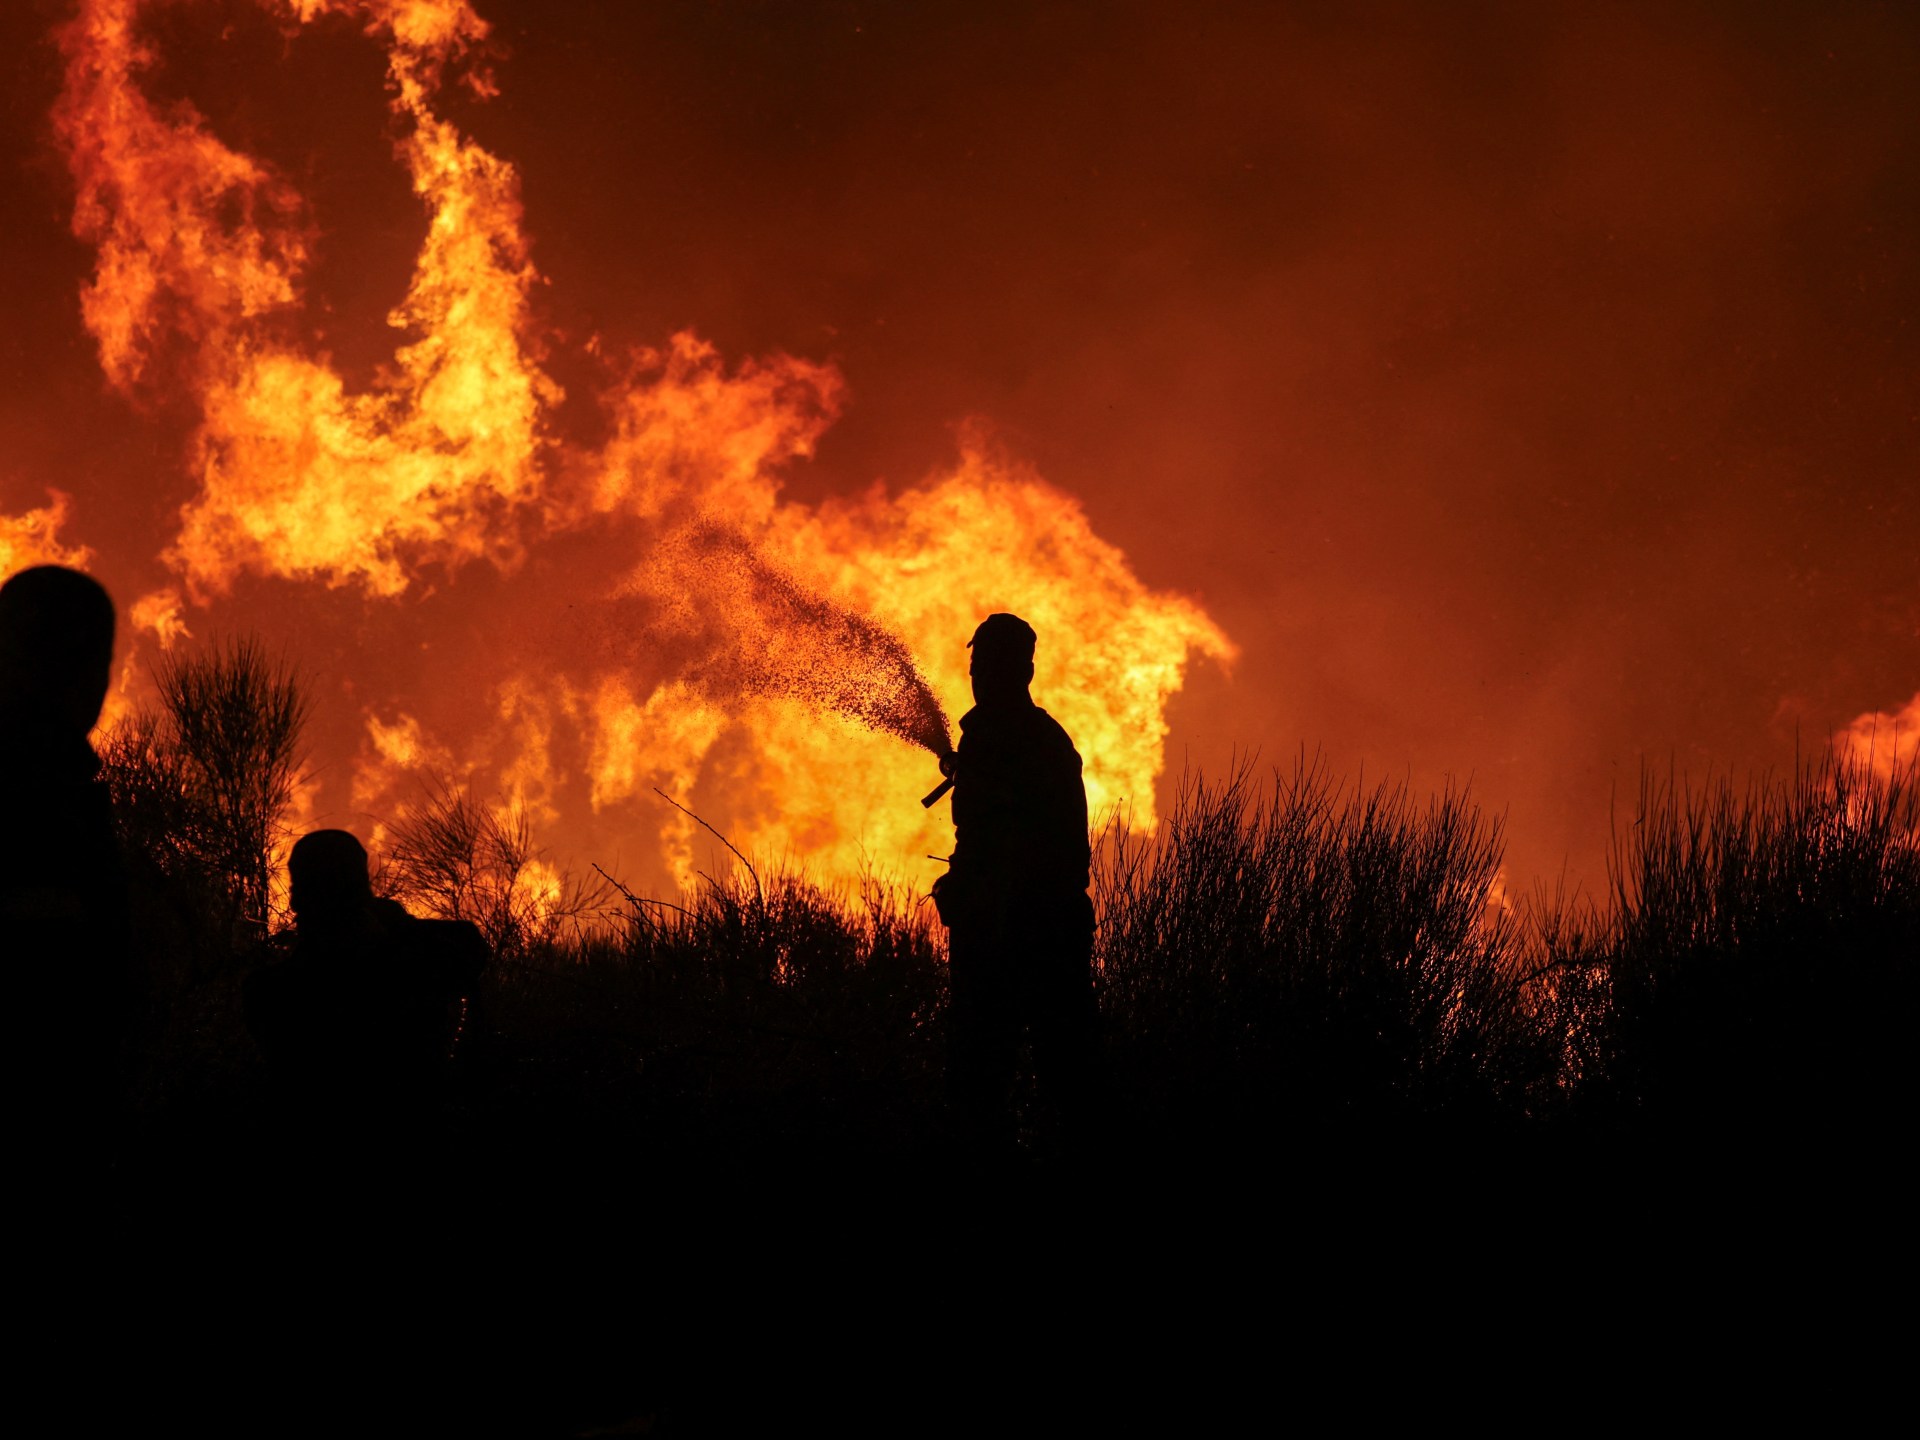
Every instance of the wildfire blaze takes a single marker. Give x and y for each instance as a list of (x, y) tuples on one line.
[(1533, 393), (787, 663), (205, 248)]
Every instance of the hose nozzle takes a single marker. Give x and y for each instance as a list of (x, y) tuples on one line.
[(946, 769)]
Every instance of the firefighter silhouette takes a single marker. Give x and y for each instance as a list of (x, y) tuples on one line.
[(1015, 901), (357, 1020), (63, 890)]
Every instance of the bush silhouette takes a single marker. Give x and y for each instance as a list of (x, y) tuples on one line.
[(451, 857), (1761, 954), (1304, 955), (201, 787)]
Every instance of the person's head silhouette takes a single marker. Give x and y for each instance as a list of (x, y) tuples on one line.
[(1002, 665), (56, 645), (328, 870)]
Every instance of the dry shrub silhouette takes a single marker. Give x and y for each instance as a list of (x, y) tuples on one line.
[(1760, 956), (451, 857), (1305, 954), (236, 716), (201, 786)]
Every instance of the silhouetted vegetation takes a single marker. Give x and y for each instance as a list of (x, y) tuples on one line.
[(747, 1020), (1753, 977), (1285, 960), (1299, 955), (451, 857), (201, 788)]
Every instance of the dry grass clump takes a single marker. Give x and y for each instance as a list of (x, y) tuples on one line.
[(1301, 953), (1761, 953), (752, 1018)]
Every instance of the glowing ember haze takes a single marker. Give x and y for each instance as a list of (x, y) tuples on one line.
[(1883, 743), (713, 664)]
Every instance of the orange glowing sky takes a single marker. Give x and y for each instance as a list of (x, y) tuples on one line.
[(1524, 390)]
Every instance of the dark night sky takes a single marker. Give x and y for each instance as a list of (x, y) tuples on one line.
[(1525, 389)]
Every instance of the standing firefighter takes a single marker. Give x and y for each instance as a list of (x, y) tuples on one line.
[(1015, 900), (63, 894)]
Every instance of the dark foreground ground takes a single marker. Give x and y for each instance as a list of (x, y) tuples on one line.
[(525, 1269), (1370, 1152)]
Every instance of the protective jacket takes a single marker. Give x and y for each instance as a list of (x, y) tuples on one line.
[(1019, 807), (1021, 925), (61, 878), (64, 932)]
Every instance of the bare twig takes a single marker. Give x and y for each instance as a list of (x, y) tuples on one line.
[(637, 900), (759, 894)]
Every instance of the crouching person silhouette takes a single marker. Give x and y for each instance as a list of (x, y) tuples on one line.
[(358, 1021), (63, 891), (1015, 902)]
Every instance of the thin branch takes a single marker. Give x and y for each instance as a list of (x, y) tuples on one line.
[(759, 894), (637, 900)]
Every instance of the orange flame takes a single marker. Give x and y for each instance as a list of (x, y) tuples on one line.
[(33, 538), (298, 477), (451, 458), (159, 613)]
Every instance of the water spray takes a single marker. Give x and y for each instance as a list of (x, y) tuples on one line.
[(766, 632)]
